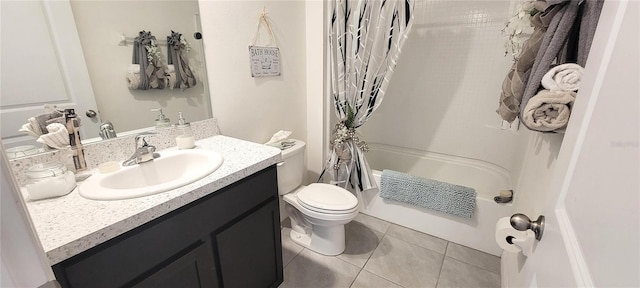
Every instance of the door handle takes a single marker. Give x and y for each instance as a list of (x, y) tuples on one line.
[(91, 113), (521, 222)]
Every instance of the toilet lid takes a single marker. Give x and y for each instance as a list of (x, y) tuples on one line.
[(327, 197)]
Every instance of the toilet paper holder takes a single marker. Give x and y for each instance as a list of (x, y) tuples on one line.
[(521, 222)]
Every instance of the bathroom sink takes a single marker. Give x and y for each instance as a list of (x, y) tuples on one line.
[(171, 170)]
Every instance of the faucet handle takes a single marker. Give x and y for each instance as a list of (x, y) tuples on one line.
[(143, 136)]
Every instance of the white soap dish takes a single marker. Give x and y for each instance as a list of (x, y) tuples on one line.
[(108, 167)]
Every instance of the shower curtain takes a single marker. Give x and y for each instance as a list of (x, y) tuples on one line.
[(365, 42)]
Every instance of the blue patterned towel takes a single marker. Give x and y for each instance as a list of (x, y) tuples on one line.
[(427, 193)]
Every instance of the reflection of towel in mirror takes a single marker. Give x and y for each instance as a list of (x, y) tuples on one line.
[(565, 77), (58, 136), (171, 76), (177, 56), (549, 110), (145, 54), (133, 76), (29, 129), (39, 123)]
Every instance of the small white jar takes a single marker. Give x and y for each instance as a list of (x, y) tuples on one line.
[(48, 180)]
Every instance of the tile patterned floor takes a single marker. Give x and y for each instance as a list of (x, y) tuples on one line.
[(382, 254)]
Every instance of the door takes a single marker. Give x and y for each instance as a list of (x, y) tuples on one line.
[(250, 252), (193, 270), (592, 237), (42, 63)]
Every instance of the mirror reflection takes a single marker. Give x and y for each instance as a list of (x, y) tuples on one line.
[(71, 54)]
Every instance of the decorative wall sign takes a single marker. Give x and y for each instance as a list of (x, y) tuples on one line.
[(264, 60)]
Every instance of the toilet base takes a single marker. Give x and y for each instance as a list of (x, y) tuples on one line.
[(326, 240)]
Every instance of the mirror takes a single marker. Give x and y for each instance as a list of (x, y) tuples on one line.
[(82, 63)]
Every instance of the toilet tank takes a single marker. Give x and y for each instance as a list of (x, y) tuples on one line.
[(291, 169)]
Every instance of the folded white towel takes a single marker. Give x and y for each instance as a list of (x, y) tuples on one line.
[(565, 77), (58, 136), (133, 68), (35, 126), (27, 128), (549, 110)]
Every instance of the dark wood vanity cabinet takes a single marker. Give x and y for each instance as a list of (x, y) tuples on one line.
[(230, 238)]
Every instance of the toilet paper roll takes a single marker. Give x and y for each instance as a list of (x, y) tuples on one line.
[(506, 235)]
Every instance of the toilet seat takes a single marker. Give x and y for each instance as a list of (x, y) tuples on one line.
[(326, 198)]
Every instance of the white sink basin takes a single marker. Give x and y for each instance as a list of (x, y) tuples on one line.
[(171, 170)]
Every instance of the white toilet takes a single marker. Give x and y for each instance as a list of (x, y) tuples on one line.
[(319, 211)]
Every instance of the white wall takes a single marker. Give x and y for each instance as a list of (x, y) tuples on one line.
[(255, 108), (447, 83), (317, 98), (100, 25), (532, 192)]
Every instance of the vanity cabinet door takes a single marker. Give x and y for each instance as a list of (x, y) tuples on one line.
[(250, 252), (192, 270)]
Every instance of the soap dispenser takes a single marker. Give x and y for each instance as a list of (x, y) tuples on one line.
[(161, 121), (185, 139)]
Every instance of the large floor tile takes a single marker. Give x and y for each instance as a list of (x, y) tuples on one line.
[(310, 269), (406, 264), (368, 280), (418, 238), (474, 257), (289, 248), (360, 243), (373, 222), (459, 274)]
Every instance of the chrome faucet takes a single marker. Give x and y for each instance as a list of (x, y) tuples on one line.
[(107, 131), (143, 153)]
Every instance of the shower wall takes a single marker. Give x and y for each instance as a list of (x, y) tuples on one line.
[(443, 95)]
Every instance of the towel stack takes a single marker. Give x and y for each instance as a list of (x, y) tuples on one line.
[(550, 108), (568, 27), (37, 125), (49, 128)]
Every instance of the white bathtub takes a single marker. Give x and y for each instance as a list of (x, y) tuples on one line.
[(487, 179)]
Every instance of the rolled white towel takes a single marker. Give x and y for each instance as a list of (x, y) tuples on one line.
[(565, 77), (549, 110), (133, 68), (35, 126), (27, 128), (170, 74), (58, 136), (133, 81)]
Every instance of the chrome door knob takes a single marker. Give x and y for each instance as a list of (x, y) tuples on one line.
[(521, 222), (91, 113)]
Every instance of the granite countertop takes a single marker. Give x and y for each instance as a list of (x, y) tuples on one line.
[(71, 224)]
